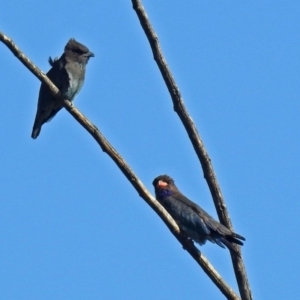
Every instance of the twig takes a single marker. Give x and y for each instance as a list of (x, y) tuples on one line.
[(197, 143), (126, 170)]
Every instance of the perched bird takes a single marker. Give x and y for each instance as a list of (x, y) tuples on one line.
[(67, 73), (191, 218)]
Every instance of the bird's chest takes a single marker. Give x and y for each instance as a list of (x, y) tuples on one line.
[(76, 79)]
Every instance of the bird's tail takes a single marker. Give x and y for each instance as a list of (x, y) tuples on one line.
[(36, 130), (228, 241), (235, 238), (229, 245)]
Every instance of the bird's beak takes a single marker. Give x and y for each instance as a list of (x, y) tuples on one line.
[(161, 183), (90, 54)]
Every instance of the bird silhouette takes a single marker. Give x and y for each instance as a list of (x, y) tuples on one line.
[(196, 223), (67, 73)]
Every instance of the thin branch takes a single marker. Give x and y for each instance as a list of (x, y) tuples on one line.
[(126, 170), (197, 143)]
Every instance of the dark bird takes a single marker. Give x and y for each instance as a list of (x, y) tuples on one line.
[(67, 73), (191, 218)]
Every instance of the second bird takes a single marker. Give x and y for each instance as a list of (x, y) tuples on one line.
[(67, 73), (191, 218)]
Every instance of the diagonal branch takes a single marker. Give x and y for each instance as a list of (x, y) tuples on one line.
[(126, 170), (197, 143)]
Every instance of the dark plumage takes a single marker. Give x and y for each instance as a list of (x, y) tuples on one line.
[(67, 73), (191, 218)]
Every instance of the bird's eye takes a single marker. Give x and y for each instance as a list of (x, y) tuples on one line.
[(77, 51)]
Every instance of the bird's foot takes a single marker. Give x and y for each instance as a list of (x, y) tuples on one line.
[(187, 243)]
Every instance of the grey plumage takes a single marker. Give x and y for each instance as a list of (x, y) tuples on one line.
[(67, 73), (192, 219)]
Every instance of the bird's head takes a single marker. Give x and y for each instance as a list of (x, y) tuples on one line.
[(78, 51), (164, 186)]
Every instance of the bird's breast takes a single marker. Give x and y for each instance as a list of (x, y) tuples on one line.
[(75, 85)]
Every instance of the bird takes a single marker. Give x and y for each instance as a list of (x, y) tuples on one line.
[(196, 223), (67, 73)]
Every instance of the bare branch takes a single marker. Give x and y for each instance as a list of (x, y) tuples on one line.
[(126, 170), (197, 143)]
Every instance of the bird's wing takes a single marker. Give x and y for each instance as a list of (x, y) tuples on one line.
[(208, 220), (58, 74)]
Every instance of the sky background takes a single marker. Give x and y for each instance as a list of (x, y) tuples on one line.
[(71, 225)]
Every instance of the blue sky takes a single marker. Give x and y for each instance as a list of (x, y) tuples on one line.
[(71, 225)]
